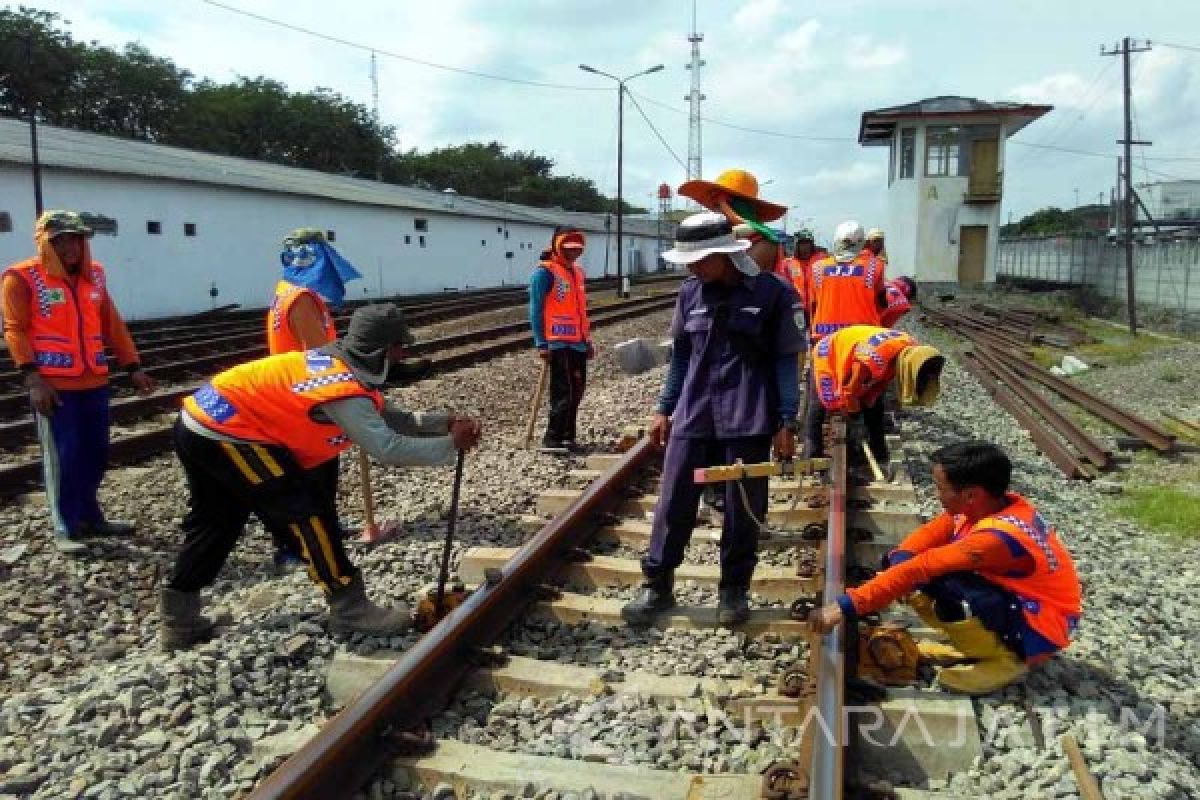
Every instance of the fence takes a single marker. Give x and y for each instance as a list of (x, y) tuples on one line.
[(1166, 273)]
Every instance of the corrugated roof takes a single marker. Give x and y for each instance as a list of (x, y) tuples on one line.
[(63, 148), (878, 125)]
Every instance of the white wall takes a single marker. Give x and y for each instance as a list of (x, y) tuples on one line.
[(925, 215), (238, 233)]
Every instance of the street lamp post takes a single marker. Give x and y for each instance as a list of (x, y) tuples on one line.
[(620, 159)]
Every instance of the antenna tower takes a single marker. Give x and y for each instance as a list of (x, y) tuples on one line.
[(694, 163)]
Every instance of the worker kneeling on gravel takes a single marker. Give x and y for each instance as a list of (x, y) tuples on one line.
[(249, 441), (990, 573), (730, 394)]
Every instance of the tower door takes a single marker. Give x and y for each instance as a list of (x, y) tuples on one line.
[(972, 254)]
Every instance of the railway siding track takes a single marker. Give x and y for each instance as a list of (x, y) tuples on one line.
[(446, 353), (473, 663)]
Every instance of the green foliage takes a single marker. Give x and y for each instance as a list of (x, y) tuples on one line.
[(133, 93), (1050, 221), (1162, 508)]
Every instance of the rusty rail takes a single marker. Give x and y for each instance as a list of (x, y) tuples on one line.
[(1148, 432), (355, 743), (1046, 441), (1091, 448)]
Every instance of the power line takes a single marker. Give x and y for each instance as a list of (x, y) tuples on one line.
[(1178, 46), (399, 57), (744, 129), (638, 106), (1066, 123)]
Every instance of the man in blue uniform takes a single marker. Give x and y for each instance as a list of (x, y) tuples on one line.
[(730, 393)]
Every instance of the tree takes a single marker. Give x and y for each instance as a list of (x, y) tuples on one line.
[(1044, 222), (133, 93)]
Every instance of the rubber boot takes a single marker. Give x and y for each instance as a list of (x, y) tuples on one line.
[(733, 605), (180, 623), (933, 652), (995, 667), (350, 611), (657, 595)]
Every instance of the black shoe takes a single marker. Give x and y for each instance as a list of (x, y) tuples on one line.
[(575, 448), (106, 528), (733, 606), (655, 597), (554, 447)]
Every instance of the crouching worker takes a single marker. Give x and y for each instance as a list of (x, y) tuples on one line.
[(730, 394), (250, 441), (850, 371), (990, 573)]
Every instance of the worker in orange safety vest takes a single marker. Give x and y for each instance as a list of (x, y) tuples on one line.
[(990, 572), (58, 319), (798, 266), (899, 293), (847, 287), (853, 367), (562, 335), (249, 441)]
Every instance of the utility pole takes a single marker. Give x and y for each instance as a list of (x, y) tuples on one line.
[(1124, 49), (35, 162)]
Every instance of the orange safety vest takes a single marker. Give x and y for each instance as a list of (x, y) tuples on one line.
[(843, 294), (797, 270), (271, 400), (66, 324), (897, 305), (564, 316), (280, 338), (873, 350), (1050, 597)]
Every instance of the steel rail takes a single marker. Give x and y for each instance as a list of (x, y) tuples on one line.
[(132, 407), (827, 769), (1046, 441), (1148, 432), (1091, 448), (19, 477), (350, 747)]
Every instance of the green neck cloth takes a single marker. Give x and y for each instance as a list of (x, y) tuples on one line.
[(746, 210)]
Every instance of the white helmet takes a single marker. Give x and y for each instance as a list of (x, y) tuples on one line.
[(848, 239)]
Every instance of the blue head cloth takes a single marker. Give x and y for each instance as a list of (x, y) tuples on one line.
[(309, 261)]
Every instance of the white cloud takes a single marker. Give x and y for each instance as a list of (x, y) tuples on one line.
[(863, 52), (1062, 90), (851, 176), (757, 17)]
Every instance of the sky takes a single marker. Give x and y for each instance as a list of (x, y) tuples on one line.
[(803, 70)]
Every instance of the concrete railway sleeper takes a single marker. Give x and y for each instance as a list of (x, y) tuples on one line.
[(440, 712)]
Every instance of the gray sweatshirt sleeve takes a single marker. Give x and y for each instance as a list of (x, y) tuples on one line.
[(364, 426), (416, 423)]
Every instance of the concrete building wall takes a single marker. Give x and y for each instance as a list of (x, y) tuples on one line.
[(237, 241), (927, 213)]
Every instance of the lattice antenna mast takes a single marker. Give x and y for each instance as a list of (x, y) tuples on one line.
[(695, 150), (375, 108)]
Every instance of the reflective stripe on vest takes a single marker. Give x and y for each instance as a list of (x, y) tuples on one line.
[(280, 337), (271, 400), (834, 355), (564, 315), (843, 293), (66, 328), (897, 305), (1050, 596)]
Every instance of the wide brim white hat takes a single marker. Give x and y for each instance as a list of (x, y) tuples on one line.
[(702, 235)]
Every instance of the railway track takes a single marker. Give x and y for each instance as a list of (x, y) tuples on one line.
[(152, 436), (429, 711), (166, 345), (999, 361)]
